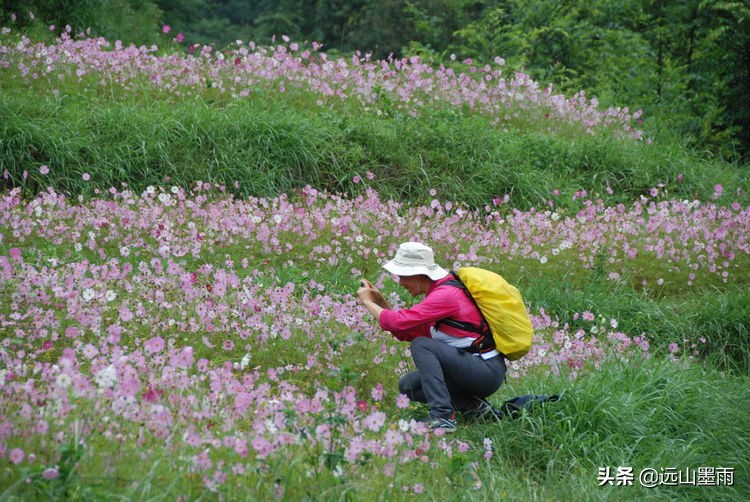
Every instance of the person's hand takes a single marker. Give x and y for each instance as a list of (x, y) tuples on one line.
[(365, 291), (368, 292)]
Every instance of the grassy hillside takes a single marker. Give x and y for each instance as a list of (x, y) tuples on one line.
[(181, 235), (268, 120)]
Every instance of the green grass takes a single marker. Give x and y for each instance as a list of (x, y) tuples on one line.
[(632, 413), (273, 144), (717, 315)]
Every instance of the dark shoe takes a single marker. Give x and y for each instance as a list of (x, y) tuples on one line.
[(443, 424), (484, 412)]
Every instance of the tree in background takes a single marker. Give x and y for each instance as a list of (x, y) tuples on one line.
[(685, 62), (127, 20)]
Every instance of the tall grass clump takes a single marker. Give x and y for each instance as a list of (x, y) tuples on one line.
[(627, 413)]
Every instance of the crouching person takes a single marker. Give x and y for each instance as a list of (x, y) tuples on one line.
[(449, 377)]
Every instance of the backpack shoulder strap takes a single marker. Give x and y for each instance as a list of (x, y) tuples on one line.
[(483, 343)]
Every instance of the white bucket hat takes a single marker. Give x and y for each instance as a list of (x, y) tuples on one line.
[(414, 258)]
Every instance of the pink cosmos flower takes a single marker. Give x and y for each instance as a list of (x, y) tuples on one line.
[(240, 446), (262, 446), (166, 28), (43, 170), (130, 386), (718, 190), (42, 427), (242, 401), (154, 345), (152, 394), (89, 351), (50, 473), (184, 358), (375, 421), (179, 38), (86, 176), (114, 331), (673, 347), (16, 455), (487, 448), (402, 401)]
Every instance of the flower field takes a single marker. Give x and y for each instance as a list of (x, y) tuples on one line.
[(222, 335), (406, 85), (183, 342)]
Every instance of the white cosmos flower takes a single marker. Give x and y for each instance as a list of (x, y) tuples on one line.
[(245, 362), (165, 198), (88, 294), (63, 381), (106, 377), (271, 427)]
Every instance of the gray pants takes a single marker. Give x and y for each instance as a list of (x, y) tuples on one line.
[(448, 378)]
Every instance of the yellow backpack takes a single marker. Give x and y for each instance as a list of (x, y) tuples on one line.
[(503, 310)]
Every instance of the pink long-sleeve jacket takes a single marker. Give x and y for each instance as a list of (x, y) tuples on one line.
[(439, 303)]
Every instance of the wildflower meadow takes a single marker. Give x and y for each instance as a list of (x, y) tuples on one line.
[(185, 340)]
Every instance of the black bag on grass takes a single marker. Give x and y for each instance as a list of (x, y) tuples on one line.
[(512, 408)]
